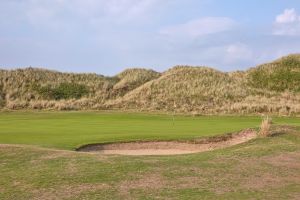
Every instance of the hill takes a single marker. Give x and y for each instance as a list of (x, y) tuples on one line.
[(280, 75), (185, 89), (133, 78), (268, 88)]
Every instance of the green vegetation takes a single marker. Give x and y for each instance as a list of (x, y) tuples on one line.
[(62, 91), (264, 168), (2, 97), (278, 76), (68, 130)]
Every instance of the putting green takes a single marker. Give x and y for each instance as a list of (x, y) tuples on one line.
[(68, 130)]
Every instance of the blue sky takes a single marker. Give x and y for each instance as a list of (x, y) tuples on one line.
[(107, 36)]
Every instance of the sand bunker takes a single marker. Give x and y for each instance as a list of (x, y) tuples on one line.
[(171, 147)]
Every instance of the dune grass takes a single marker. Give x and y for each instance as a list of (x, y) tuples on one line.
[(272, 88), (68, 130)]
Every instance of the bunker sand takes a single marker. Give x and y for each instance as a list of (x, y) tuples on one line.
[(170, 147)]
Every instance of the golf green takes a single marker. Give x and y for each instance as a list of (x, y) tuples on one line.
[(68, 130)]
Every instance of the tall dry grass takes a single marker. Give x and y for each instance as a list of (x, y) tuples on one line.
[(265, 127), (195, 90)]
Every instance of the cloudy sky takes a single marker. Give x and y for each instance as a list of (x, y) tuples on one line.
[(107, 36)]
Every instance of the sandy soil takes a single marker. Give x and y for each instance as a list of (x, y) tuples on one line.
[(170, 147)]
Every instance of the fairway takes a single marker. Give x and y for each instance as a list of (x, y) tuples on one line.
[(69, 130), (244, 171), (264, 168)]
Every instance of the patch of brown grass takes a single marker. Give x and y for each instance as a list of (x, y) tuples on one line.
[(288, 160), (153, 181), (68, 191)]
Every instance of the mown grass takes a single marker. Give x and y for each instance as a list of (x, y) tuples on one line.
[(68, 130), (264, 168)]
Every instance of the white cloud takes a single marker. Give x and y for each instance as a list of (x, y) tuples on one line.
[(287, 23), (288, 16), (199, 27)]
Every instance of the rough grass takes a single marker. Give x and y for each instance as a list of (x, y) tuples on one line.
[(265, 126), (281, 75), (270, 88), (133, 78), (264, 168), (183, 89)]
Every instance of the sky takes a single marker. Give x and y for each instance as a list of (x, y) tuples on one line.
[(108, 36)]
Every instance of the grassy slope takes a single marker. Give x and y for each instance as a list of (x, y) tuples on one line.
[(266, 168), (185, 89), (67, 130), (280, 75), (21, 88), (269, 88), (133, 78)]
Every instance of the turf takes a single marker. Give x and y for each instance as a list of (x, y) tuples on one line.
[(68, 130), (264, 168)]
